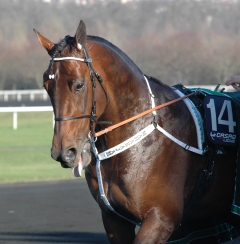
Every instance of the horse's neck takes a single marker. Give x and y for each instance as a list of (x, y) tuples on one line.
[(127, 92), (125, 87)]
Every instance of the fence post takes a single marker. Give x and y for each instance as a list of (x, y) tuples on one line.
[(15, 122), (5, 97), (32, 96)]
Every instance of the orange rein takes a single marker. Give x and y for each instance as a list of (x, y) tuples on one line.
[(110, 128)]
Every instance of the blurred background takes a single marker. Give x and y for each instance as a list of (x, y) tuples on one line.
[(187, 41), (193, 42)]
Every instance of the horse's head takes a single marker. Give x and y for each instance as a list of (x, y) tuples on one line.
[(70, 83)]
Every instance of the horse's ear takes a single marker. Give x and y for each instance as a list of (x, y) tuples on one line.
[(81, 36), (48, 45)]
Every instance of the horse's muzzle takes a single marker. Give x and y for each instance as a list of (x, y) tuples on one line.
[(67, 157)]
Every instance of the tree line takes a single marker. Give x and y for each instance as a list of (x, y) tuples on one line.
[(177, 41)]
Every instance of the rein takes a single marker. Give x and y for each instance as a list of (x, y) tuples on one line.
[(110, 128), (129, 142), (91, 116)]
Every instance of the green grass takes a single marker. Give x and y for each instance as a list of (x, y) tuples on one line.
[(25, 152)]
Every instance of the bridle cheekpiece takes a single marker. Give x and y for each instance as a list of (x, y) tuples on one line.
[(93, 74)]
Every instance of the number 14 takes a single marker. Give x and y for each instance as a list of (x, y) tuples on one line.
[(230, 122)]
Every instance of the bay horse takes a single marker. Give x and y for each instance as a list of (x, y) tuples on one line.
[(92, 83)]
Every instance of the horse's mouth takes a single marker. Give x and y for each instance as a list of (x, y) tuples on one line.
[(78, 162), (77, 170), (83, 161)]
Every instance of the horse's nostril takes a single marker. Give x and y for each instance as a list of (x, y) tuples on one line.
[(70, 155)]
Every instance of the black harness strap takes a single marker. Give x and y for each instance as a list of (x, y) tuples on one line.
[(92, 116), (72, 118), (205, 174), (201, 186)]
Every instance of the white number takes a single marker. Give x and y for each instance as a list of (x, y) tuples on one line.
[(227, 104), (230, 122), (211, 105)]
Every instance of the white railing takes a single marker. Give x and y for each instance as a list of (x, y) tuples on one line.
[(18, 94), (16, 110)]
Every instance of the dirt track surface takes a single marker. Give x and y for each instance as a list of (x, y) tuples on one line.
[(49, 212)]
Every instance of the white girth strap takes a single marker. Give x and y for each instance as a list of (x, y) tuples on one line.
[(101, 189), (151, 95), (129, 143), (197, 118), (180, 143)]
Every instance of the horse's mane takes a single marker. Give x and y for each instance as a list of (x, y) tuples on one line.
[(123, 55), (69, 41), (57, 48)]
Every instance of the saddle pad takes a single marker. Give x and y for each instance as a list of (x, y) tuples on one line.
[(235, 96), (189, 232), (221, 120), (197, 118), (221, 116)]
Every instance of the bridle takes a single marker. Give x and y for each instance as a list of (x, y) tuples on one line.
[(93, 74), (129, 142), (110, 152), (92, 116)]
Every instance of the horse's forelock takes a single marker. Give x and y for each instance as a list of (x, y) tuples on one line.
[(57, 48)]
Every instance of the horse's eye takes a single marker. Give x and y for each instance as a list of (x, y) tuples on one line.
[(79, 87)]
